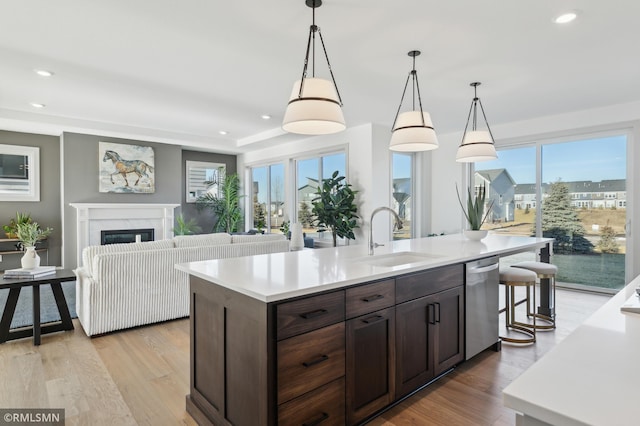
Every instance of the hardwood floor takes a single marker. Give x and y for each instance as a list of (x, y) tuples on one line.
[(141, 376)]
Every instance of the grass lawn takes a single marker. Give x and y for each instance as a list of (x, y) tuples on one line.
[(599, 270)]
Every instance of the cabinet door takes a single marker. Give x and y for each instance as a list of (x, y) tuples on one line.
[(370, 364), (415, 322), (449, 333)]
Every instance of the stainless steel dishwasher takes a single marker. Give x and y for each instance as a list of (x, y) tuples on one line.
[(481, 300)]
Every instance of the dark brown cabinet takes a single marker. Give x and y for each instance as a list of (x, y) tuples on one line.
[(429, 331), (370, 364), (333, 358)]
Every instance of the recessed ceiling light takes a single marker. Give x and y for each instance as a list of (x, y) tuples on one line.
[(223, 132), (43, 73), (566, 17), (37, 105), (265, 117)]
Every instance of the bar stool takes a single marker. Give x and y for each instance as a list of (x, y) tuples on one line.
[(548, 271), (511, 278)]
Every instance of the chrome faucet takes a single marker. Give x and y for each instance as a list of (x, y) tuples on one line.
[(398, 226)]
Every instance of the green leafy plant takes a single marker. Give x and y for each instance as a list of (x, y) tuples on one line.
[(474, 213), (184, 227), (30, 233), (226, 207), (334, 207), (12, 227), (285, 227)]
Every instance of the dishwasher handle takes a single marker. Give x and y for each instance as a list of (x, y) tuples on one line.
[(482, 269)]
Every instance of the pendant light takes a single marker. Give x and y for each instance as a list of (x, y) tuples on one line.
[(413, 130), (477, 145), (315, 106)]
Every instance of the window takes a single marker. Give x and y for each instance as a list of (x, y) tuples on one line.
[(402, 192), (309, 175), (582, 185), (268, 198)]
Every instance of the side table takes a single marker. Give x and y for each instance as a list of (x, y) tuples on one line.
[(15, 285)]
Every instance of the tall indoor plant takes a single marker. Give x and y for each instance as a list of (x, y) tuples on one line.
[(334, 207), (224, 206)]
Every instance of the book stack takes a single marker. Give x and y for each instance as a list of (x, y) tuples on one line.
[(25, 274)]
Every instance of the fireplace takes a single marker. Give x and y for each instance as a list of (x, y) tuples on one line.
[(117, 236), (93, 218)]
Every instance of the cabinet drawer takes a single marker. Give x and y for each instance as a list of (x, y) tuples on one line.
[(308, 314), (370, 297), (310, 360), (322, 407), (428, 282)]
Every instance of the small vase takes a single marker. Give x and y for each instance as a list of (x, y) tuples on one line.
[(297, 239), (30, 260), (475, 235)]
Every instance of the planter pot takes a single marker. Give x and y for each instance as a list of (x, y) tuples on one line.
[(30, 260), (475, 235), (297, 239)]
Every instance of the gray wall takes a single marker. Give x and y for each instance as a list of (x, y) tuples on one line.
[(189, 210), (80, 177), (47, 211)]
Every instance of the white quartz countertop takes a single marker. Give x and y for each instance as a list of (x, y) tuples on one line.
[(591, 377), (279, 276)]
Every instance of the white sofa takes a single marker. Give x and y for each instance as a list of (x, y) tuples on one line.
[(126, 285)]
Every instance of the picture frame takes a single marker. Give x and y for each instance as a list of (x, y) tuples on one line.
[(127, 169)]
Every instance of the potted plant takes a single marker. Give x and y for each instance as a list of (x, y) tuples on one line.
[(225, 207), (475, 212), (184, 227), (11, 228), (334, 207), (29, 234)]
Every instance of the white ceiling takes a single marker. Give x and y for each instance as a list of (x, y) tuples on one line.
[(181, 71)]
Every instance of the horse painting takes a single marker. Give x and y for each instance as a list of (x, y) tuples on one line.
[(124, 167)]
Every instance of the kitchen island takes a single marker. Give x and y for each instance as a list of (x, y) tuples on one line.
[(591, 377), (329, 336)]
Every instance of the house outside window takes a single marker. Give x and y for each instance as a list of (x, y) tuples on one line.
[(582, 181)]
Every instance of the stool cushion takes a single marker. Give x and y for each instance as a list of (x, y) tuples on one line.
[(518, 275), (538, 267)]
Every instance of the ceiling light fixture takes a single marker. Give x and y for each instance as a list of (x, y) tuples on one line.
[(413, 130), (265, 117), (43, 73), (565, 18), (315, 106), (223, 132), (477, 145), (37, 105)]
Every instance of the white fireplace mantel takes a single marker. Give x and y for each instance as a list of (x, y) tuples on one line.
[(91, 218)]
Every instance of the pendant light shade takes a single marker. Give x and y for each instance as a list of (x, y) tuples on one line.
[(314, 112), (477, 145), (411, 135), (413, 131), (315, 106)]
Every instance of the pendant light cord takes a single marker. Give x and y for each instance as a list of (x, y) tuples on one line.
[(413, 74), (311, 48)]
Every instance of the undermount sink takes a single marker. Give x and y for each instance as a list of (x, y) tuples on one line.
[(398, 258)]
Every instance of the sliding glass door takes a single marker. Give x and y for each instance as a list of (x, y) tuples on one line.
[(574, 191)]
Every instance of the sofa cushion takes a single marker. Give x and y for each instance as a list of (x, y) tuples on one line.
[(202, 240), (258, 238), (89, 253)]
